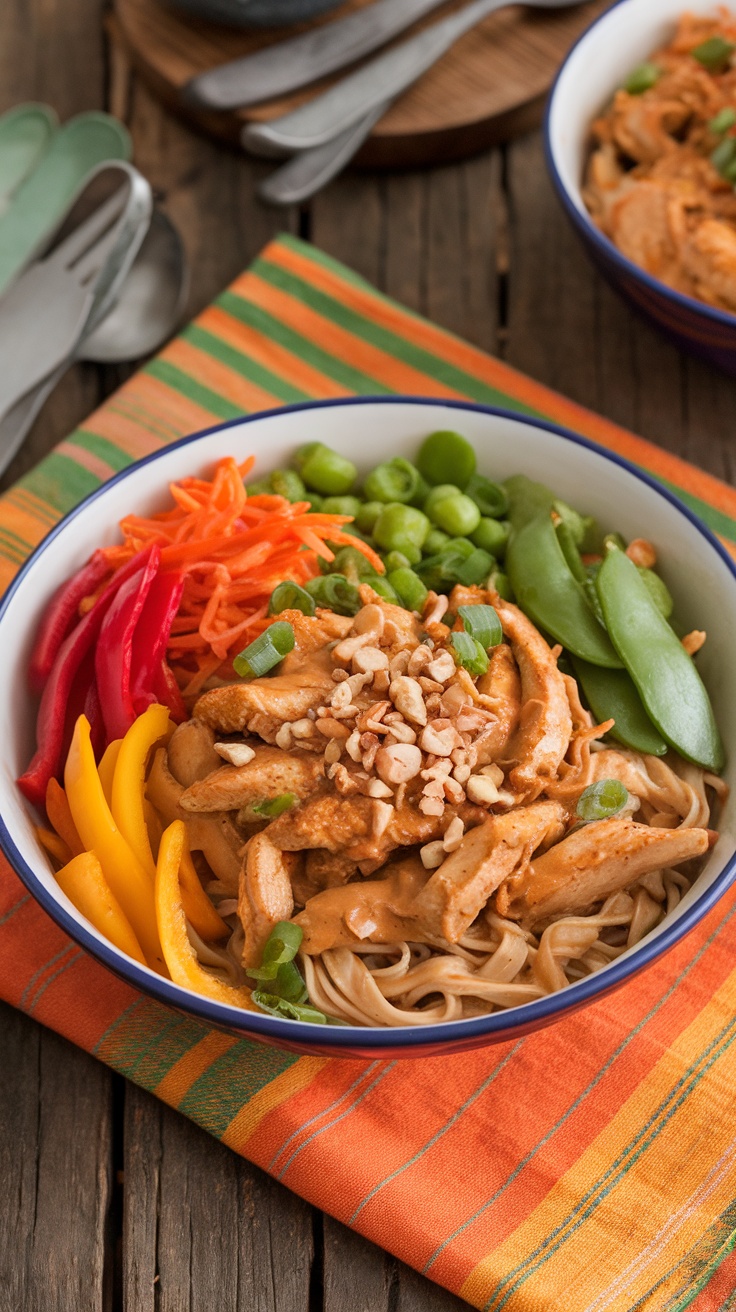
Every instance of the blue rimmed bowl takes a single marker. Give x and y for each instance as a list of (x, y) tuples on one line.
[(701, 575), (256, 13), (623, 37)]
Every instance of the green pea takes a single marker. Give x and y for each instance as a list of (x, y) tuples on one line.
[(287, 483), (456, 514), (324, 469), (435, 541), (367, 515), (666, 678), (612, 695), (446, 455), (658, 590), (341, 506), (409, 588), (550, 594), (642, 78), (394, 480), (491, 499), (492, 535), (399, 526)]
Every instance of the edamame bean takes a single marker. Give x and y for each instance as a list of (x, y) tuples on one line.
[(341, 506), (399, 526), (325, 470), (367, 515), (435, 541), (492, 535), (446, 455), (612, 695), (547, 590), (409, 588), (287, 483), (397, 560), (382, 586), (476, 568), (668, 683), (454, 513)]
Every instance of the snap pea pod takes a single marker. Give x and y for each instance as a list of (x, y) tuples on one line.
[(528, 499), (612, 695), (668, 683), (547, 590)]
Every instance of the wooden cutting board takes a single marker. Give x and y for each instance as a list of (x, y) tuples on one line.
[(491, 86)]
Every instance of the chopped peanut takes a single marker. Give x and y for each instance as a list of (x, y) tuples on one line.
[(482, 790), (235, 753), (642, 553), (396, 765), (406, 695), (692, 642), (433, 854)]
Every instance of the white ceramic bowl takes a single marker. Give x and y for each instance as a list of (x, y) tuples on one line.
[(700, 574), (623, 37)]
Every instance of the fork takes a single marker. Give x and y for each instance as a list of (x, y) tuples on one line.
[(378, 82)]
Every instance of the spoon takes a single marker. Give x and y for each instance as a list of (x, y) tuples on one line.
[(379, 81), (147, 311)]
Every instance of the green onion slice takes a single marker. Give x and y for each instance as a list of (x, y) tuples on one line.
[(476, 568), (602, 800), (289, 596), (273, 806), (334, 592), (267, 651), (469, 653), (483, 624), (724, 119), (491, 499), (276, 1006)]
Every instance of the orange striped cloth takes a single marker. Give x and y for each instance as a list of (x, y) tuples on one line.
[(590, 1167)]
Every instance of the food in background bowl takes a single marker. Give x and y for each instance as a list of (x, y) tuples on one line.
[(660, 179), (399, 804)]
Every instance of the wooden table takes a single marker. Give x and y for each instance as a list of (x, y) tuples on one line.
[(110, 1200)]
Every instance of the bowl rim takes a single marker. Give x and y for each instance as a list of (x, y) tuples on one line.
[(583, 220), (302, 1034)]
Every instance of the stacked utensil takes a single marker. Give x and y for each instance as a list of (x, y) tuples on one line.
[(88, 269), (322, 135)]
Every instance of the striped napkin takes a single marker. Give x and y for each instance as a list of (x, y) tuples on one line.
[(590, 1167)]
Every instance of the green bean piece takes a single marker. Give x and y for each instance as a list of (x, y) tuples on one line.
[(287, 483), (612, 695), (289, 596), (399, 526), (642, 78), (714, 54), (436, 541), (367, 515), (382, 586), (660, 593), (501, 583), (570, 551), (394, 480), (454, 513), (335, 592), (482, 623), (550, 594), (724, 119), (492, 499), (469, 653), (667, 680), (492, 535), (409, 588), (476, 569), (446, 455), (325, 470), (602, 800), (341, 506)]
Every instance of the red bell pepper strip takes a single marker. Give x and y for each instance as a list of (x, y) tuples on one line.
[(167, 692), (64, 687), (114, 653), (151, 638), (61, 614)]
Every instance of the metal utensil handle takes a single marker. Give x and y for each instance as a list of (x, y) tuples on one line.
[(310, 170), (294, 63), (379, 81)]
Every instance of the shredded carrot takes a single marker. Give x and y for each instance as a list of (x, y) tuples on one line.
[(233, 551)]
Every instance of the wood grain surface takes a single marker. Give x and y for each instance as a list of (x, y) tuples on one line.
[(488, 88), (111, 1202)]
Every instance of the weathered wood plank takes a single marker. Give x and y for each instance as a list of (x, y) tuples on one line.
[(56, 1171), (358, 1277), (202, 1228)]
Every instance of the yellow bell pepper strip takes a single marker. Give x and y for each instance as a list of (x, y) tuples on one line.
[(55, 846), (106, 768), (60, 817), (181, 958), (85, 885), (128, 880), (129, 781), (153, 825), (198, 908)]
